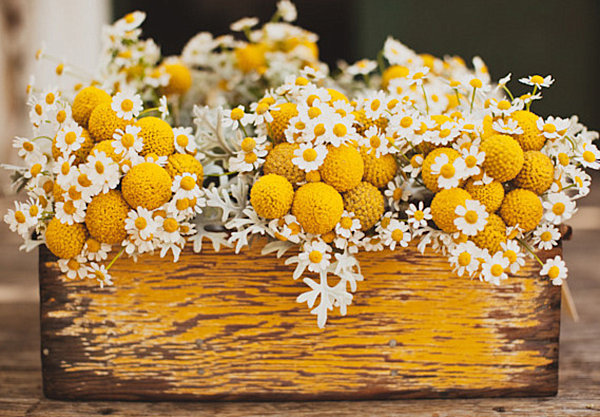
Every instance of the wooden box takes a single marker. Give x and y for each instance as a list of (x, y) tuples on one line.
[(221, 326)]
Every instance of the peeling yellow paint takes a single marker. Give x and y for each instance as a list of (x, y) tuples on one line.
[(234, 317)]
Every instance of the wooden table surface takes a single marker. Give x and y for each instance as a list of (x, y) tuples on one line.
[(579, 392)]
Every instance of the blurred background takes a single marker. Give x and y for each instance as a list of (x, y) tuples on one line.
[(523, 37)]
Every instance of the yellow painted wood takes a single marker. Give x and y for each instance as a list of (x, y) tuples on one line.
[(227, 326)]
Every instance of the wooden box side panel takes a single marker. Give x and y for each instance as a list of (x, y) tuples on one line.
[(224, 326)]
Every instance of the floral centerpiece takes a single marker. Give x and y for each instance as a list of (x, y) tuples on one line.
[(239, 138)]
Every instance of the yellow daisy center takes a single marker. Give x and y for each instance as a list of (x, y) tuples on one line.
[(69, 207), (340, 130), (476, 83), (237, 114), (553, 272), (248, 144), (319, 129), (262, 108), (406, 121), (83, 180), (127, 140), (93, 245), (50, 98), (375, 141), (38, 109), (546, 236), (397, 235), (471, 217), (170, 225), (397, 195), (188, 183), (301, 81), (549, 128), (250, 157), (28, 146), (464, 259), (504, 105), (510, 255), (129, 18), (61, 116), (497, 270), (558, 208), (419, 215), (140, 223), (470, 161), (20, 217), (65, 168), (447, 171), (537, 79), (346, 222), (34, 210), (99, 166), (127, 105), (73, 265), (309, 155), (35, 169), (315, 256), (314, 112), (588, 156)]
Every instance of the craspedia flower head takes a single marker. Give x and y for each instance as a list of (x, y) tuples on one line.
[(531, 139), (81, 153), (522, 207), (503, 157), (105, 217), (492, 235), (281, 120), (343, 167), (272, 196), (180, 78), (490, 195), (279, 161), (443, 207), (488, 130), (86, 101), (537, 172), (107, 147), (367, 204), (336, 95), (395, 71), (431, 180), (251, 57), (63, 240), (146, 185), (318, 207), (157, 135), (379, 171), (103, 122), (180, 163)]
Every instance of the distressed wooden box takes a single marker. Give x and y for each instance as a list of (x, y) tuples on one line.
[(227, 327)]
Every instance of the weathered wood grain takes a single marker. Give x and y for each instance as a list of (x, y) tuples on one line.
[(227, 327)]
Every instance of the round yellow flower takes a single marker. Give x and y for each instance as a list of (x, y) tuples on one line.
[(251, 57), (281, 119), (65, 241), (272, 196), (147, 185), (537, 173), (107, 147), (336, 95), (367, 204), (492, 235), (104, 121), (318, 207), (531, 139), (279, 161), (86, 101), (105, 217), (522, 207), (81, 153), (180, 79), (490, 195), (503, 157), (157, 135), (443, 208), (379, 171), (343, 168), (178, 163), (431, 180), (395, 71)]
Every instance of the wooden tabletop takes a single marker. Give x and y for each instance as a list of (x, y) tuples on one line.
[(579, 392)]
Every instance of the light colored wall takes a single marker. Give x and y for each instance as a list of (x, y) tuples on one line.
[(69, 29)]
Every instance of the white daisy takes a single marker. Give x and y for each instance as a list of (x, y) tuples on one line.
[(589, 156), (418, 215), (94, 250), (66, 172), (315, 255), (186, 186), (512, 251), (236, 117), (100, 274), (362, 67), (545, 236), (447, 132), (18, 219), (243, 24), (555, 269), (251, 156), (102, 171), (70, 211), (396, 53), (473, 158), (163, 107), (553, 127), (184, 140), (537, 81), (509, 126), (471, 217), (449, 173), (465, 257), (74, 268), (309, 157), (396, 233), (397, 192), (347, 225), (287, 10), (27, 149), (69, 138), (128, 142), (127, 104), (505, 108), (494, 268), (558, 208), (414, 167), (140, 224), (374, 142)]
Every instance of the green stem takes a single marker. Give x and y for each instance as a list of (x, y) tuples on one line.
[(380, 61), (222, 175), (532, 94), (526, 246), (472, 99), (425, 95), (508, 92), (457, 95), (117, 256), (147, 111), (42, 137)]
